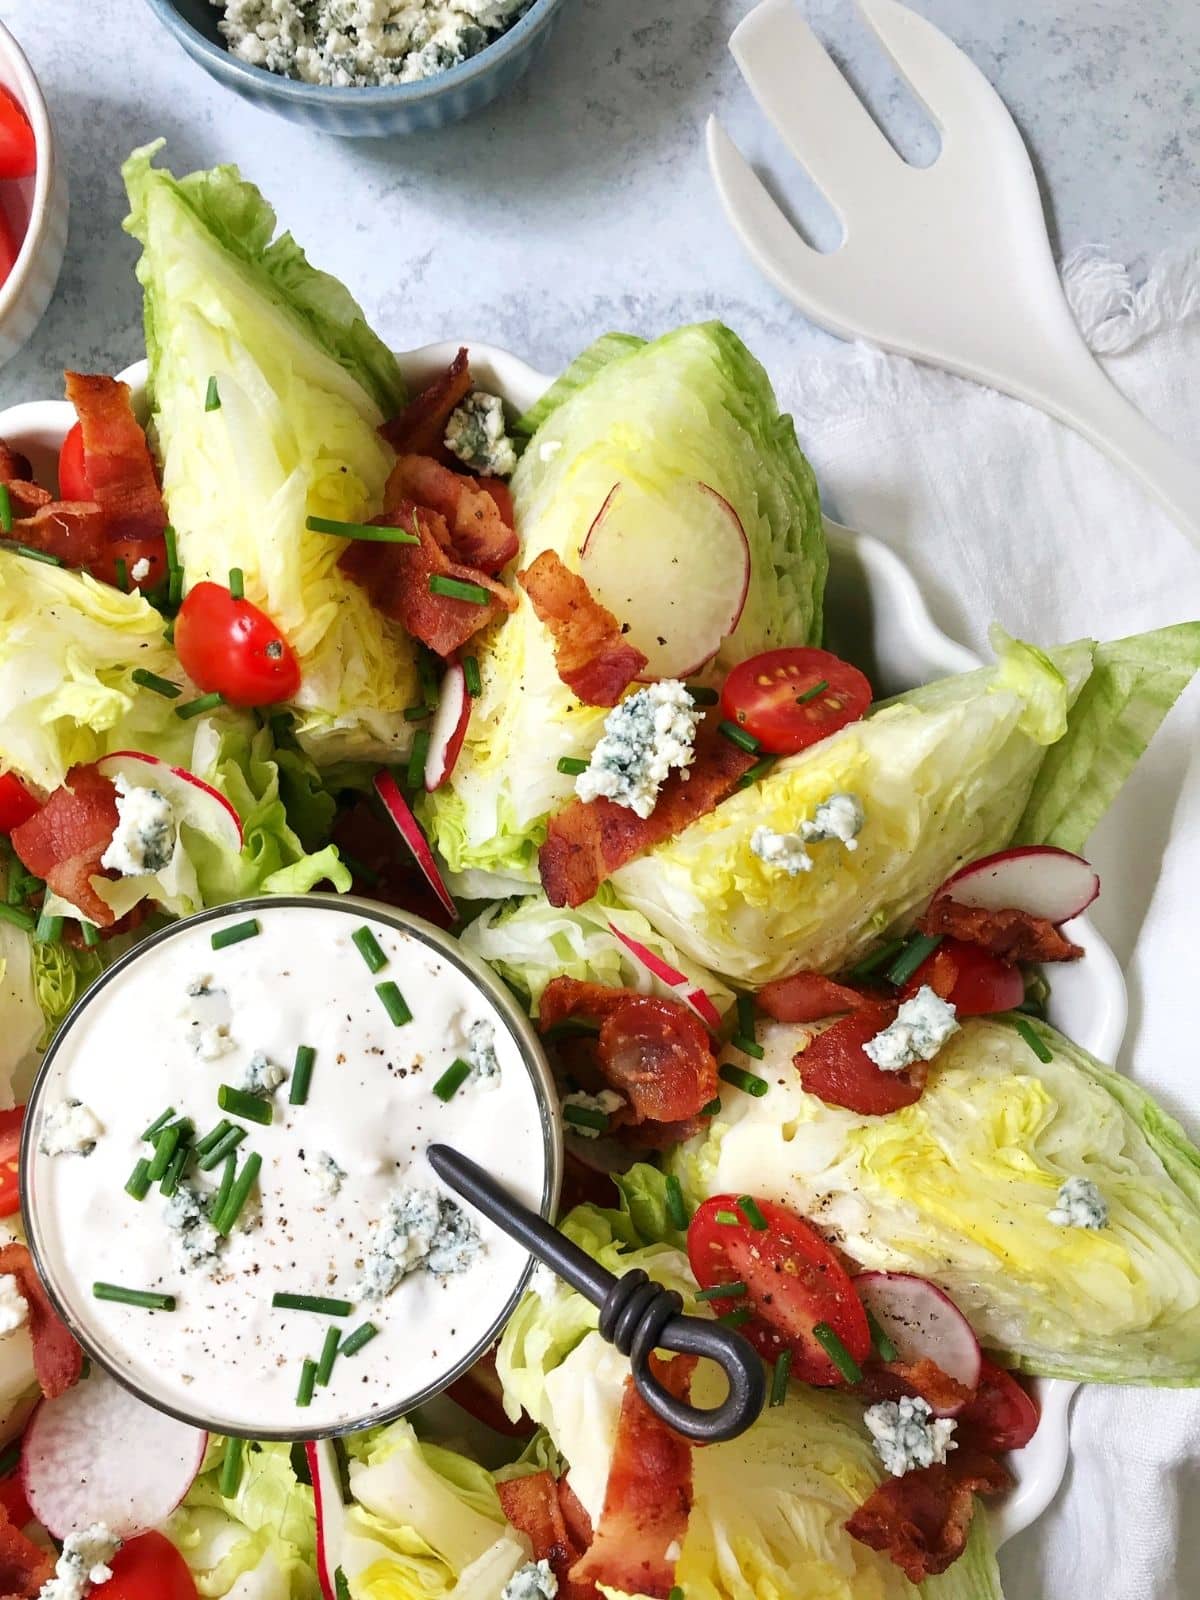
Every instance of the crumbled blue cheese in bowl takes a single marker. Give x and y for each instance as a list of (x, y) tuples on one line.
[(359, 44)]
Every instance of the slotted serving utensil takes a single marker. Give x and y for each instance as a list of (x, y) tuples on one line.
[(950, 263)]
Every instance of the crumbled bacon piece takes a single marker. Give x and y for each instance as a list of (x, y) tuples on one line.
[(57, 1359), (533, 1506), (119, 466), (396, 577), (24, 1566), (648, 1498), (420, 428), (807, 997), (891, 1380), (1011, 935), (566, 998), (71, 530), (835, 1067), (479, 534), (63, 843), (921, 1521), (593, 658), (14, 467), (588, 840)]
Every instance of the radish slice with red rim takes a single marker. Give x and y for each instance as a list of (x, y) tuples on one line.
[(398, 809), (701, 1003), (1039, 878), (192, 800), (923, 1324), (678, 982), (330, 1512), (99, 1454), (448, 728)]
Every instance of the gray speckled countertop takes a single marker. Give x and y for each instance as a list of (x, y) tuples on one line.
[(583, 203)]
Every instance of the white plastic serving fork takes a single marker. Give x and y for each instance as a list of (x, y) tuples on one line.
[(948, 263)]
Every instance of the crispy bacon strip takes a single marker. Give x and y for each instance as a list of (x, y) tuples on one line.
[(14, 467), (57, 1359), (74, 531), (63, 843), (588, 840), (421, 427), (119, 466), (533, 1505), (396, 577), (593, 659), (807, 997), (890, 1380), (566, 998), (479, 535), (24, 1566), (578, 1523), (649, 1495), (1011, 935), (921, 1521)]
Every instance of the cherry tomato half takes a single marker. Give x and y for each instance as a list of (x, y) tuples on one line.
[(1002, 1416), (232, 647), (10, 1152), (974, 980), (17, 805), (789, 699), (793, 1282), (835, 1068), (133, 552), (72, 468), (18, 150), (149, 1568)]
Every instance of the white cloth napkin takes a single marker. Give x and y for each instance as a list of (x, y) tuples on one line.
[(1003, 514)]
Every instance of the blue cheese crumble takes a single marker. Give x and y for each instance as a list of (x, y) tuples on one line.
[(83, 1562), (476, 434), (782, 850), (1079, 1205), (481, 1053), (922, 1026), (144, 839), (14, 1308), (328, 1175), (262, 1076), (644, 737), (70, 1129), (534, 1581), (841, 816), (608, 1101), (906, 1435), (207, 1018), (357, 44), (197, 1241), (420, 1228)]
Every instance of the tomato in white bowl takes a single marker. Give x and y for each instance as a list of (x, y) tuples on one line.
[(33, 204)]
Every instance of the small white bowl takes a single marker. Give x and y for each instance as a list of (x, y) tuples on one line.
[(27, 291)]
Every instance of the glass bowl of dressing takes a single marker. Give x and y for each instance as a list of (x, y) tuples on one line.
[(226, 1193)]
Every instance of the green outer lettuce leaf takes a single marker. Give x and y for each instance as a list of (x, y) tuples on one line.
[(643, 1191), (608, 347), (1133, 684), (60, 976)]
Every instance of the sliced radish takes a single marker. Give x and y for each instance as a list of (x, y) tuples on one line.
[(1038, 878), (922, 1323), (398, 809), (678, 982), (330, 1512), (99, 1454), (679, 607), (702, 1005), (193, 801), (448, 728)]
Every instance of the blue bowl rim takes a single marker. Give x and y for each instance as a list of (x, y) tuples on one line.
[(223, 63)]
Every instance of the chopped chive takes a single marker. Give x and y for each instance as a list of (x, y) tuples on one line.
[(572, 1028), (14, 889), (238, 1194), (757, 771), (394, 1003), (676, 1593), (230, 1480), (676, 1205), (735, 1319), (417, 713), (308, 1377), (227, 1144), (877, 958), (240, 930), (728, 1219), (237, 583), (224, 1188), (881, 1339), (747, 1082), (745, 1016), (302, 1075), (6, 516), (452, 1080), (748, 1206), (723, 1291), (250, 1106), (18, 917), (374, 532), (31, 554), (172, 547), (341, 1585), (174, 589), (711, 1109), (470, 668), (911, 957), (159, 1123), (780, 1376), (328, 1355), (151, 680), (745, 741), (572, 766), (702, 695), (368, 947), (147, 1299), (169, 631), (416, 758), (748, 1047), (212, 1137), (49, 929), (164, 1149), (138, 1182), (121, 573), (198, 706), (811, 694), (90, 933), (319, 1303), (212, 396), (587, 1117), (1032, 1038), (170, 1179), (353, 1342), (427, 677), (837, 1352), (360, 869), (455, 589), (281, 725)]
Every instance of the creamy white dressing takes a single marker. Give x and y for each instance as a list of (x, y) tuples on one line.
[(329, 1167)]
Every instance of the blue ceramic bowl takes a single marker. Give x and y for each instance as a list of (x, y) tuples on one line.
[(365, 113)]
